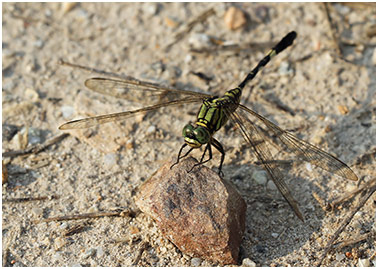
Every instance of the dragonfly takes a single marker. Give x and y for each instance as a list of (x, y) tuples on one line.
[(213, 114)]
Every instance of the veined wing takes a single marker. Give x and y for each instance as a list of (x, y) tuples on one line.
[(93, 121), (251, 134), (139, 91), (305, 150)]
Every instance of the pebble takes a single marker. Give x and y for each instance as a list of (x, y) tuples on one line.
[(308, 167), (191, 215), (247, 262), (34, 136), (363, 262), (37, 211), (285, 69), (9, 131), (374, 59), (99, 252), (234, 18), (151, 130), (188, 58), (67, 111), (68, 6), (275, 235), (59, 243), (260, 177), (151, 8), (271, 185), (195, 262), (110, 160), (38, 43), (343, 109), (89, 253), (171, 22), (339, 256), (199, 41)]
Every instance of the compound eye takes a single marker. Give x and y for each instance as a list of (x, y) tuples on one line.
[(187, 130), (202, 135)]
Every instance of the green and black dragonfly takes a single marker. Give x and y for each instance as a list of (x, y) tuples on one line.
[(213, 114)]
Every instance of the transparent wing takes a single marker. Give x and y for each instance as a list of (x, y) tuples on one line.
[(303, 149), (251, 134), (139, 91), (93, 121)]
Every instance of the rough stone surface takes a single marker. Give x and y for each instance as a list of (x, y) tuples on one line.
[(201, 213)]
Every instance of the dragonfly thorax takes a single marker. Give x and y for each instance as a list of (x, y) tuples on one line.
[(196, 136)]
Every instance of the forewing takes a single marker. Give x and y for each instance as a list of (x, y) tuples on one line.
[(93, 121), (251, 134), (305, 150), (139, 91)]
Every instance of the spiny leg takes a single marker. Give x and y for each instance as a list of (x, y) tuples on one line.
[(219, 147), (208, 148), (180, 157), (283, 44)]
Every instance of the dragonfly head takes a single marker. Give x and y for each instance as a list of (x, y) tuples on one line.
[(195, 136)]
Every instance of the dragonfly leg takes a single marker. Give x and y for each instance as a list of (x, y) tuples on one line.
[(219, 147), (208, 148), (183, 156)]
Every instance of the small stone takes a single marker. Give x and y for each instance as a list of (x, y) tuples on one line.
[(4, 173), (234, 18), (171, 22), (134, 230), (247, 262), (285, 69), (374, 59), (260, 177), (151, 9), (38, 43), (37, 211), (59, 243), (188, 58), (89, 252), (271, 186), (99, 252), (31, 95), (343, 109), (195, 262), (9, 131), (67, 111), (339, 256), (199, 41), (110, 160), (68, 6), (151, 130), (275, 235), (199, 212), (34, 136), (308, 167), (363, 262)]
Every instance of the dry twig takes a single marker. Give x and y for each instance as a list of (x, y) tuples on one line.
[(35, 148), (142, 247), (180, 35), (85, 216)]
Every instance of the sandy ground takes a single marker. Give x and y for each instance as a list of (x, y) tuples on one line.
[(327, 80)]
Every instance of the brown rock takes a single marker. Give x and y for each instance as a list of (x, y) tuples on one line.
[(199, 212), (234, 18)]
